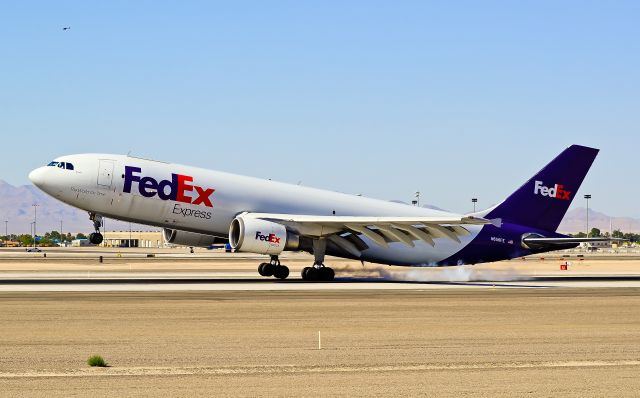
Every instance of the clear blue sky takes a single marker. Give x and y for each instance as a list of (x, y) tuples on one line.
[(455, 99)]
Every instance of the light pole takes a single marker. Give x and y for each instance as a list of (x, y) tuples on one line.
[(35, 220), (587, 197), (474, 201), (418, 198), (61, 238), (6, 228)]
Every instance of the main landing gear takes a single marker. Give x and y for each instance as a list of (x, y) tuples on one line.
[(96, 237), (274, 268), (318, 271)]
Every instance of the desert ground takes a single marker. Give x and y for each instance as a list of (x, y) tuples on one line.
[(470, 336)]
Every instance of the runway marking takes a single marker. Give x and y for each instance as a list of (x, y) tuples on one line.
[(297, 369), (173, 283), (246, 281), (169, 286)]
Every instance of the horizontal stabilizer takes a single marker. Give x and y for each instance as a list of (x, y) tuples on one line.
[(540, 243)]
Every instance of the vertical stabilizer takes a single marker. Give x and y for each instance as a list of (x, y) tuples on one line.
[(543, 200)]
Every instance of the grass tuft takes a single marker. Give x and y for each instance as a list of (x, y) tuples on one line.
[(96, 360)]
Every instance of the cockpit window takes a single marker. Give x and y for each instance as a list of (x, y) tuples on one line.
[(61, 165)]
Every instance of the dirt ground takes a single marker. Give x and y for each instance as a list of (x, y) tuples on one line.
[(451, 343)]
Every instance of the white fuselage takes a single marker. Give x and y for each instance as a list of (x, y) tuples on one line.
[(97, 184)]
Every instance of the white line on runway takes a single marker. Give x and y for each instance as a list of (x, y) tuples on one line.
[(142, 286)]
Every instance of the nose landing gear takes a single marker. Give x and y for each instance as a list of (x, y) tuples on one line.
[(274, 268), (96, 237)]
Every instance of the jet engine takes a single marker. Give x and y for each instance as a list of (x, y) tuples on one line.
[(253, 235), (192, 239)]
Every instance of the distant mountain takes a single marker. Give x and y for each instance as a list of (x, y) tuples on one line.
[(427, 206), (399, 201), (575, 221), (432, 207), (16, 206)]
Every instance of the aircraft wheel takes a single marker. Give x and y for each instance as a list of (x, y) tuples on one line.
[(268, 269), (261, 269), (326, 274), (95, 238), (281, 272), (313, 274)]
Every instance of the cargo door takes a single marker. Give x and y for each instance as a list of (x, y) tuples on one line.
[(105, 173)]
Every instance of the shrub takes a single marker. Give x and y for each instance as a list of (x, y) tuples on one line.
[(96, 360)]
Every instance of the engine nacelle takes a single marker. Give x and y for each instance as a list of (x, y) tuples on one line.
[(185, 238), (252, 235)]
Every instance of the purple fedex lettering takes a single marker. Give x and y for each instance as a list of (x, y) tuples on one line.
[(176, 189), (148, 187), (129, 178), (173, 188)]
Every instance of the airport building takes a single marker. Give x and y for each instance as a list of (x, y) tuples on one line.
[(80, 243), (595, 246), (153, 239)]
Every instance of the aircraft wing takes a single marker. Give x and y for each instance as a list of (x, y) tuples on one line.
[(345, 231)]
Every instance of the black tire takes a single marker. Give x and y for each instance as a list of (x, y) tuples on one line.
[(281, 272), (313, 274), (304, 273), (95, 238), (268, 269), (327, 274), (261, 269), (322, 274)]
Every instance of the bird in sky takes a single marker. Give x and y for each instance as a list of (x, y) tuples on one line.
[(66, 28)]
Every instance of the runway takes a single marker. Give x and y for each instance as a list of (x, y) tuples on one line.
[(113, 282), (174, 323), (438, 342), (109, 270)]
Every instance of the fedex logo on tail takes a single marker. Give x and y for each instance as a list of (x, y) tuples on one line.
[(179, 188), (271, 238), (557, 191)]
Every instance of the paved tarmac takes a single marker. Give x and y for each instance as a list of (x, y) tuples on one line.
[(172, 323), (142, 270), (113, 282), (438, 342)]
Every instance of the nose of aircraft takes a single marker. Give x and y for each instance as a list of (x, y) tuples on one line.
[(37, 177)]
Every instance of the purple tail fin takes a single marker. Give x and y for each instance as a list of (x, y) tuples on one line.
[(543, 200)]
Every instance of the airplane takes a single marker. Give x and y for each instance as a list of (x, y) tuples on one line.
[(198, 207)]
